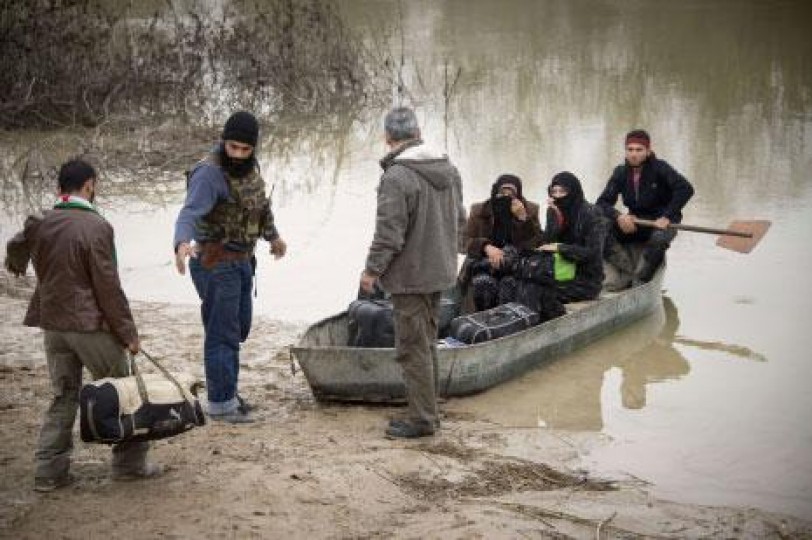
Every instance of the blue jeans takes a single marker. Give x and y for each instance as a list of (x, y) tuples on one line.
[(225, 292)]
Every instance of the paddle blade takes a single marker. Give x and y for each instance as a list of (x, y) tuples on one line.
[(757, 228)]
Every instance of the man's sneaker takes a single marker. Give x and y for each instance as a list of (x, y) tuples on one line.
[(45, 485), (150, 470), (236, 417), (405, 429)]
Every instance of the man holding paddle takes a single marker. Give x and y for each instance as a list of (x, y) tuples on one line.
[(654, 194)]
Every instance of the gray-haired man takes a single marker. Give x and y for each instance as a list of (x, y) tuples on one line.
[(414, 256)]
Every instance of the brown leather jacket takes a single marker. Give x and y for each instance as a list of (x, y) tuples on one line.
[(526, 234), (78, 288)]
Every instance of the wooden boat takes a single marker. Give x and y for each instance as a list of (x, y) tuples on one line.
[(336, 372)]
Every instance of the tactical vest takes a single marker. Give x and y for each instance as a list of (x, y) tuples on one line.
[(239, 218)]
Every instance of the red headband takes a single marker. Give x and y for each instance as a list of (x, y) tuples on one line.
[(638, 140)]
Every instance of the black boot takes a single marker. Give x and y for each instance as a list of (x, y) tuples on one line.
[(408, 429), (646, 269)]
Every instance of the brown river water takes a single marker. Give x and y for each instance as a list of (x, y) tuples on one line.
[(708, 399)]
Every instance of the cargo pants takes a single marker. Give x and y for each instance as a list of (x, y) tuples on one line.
[(415, 318), (67, 353)]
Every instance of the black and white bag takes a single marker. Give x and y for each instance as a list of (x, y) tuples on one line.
[(140, 407), (493, 323)]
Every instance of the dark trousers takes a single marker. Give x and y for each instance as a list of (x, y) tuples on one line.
[(415, 317), (576, 291), (490, 291), (654, 243)]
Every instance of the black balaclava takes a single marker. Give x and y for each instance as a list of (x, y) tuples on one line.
[(237, 168), (560, 224), (242, 127), (502, 233)]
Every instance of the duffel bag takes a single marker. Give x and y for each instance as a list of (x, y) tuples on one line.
[(493, 323), (140, 407), (371, 323)]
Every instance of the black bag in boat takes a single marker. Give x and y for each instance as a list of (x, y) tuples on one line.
[(493, 323), (536, 287), (371, 323), (140, 407), (448, 311), (540, 298)]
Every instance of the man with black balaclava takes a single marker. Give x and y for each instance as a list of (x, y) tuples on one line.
[(651, 189), (226, 211), (505, 224)]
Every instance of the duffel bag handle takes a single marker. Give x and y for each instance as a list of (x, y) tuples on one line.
[(142, 389), (139, 381)]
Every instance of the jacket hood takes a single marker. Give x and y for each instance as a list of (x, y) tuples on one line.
[(428, 163)]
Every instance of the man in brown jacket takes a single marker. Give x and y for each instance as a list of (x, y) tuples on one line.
[(413, 254), (86, 318)]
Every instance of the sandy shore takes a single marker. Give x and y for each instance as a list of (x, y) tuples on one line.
[(310, 470)]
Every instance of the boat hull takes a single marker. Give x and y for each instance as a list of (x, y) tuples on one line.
[(340, 373)]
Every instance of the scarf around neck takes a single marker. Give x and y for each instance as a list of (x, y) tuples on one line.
[(75, 201)]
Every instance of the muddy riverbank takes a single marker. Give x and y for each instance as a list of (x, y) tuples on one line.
[(309, 470)]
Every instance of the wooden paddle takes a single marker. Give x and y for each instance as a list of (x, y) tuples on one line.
[(741, 236)]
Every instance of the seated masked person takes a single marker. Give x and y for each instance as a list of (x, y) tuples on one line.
[(568, 265), (498, 229)]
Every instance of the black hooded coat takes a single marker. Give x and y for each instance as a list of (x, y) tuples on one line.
[(579, 228), (662, 192)]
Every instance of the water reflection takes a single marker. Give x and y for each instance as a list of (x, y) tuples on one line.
[(140, 173), (729, 349), (536, 102), (304, 155), (566, 394), (659, 361)]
